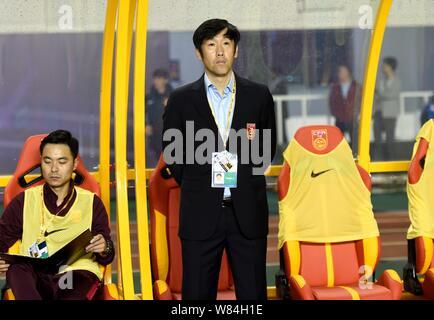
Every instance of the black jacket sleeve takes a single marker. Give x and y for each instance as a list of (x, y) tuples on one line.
[(172, 121), (268, 122)]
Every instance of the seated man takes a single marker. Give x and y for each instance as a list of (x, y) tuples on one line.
[(50, 216)]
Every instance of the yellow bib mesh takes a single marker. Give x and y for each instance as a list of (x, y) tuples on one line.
[(327, 200), (421, 194), (78, 219)]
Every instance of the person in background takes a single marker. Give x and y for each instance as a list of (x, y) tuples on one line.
[(427, 112), (156, 100), (344, 102), (387, 109)]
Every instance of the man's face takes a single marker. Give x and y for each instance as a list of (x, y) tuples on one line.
[(160, 83), (57, 164), (218, 54), (343, 74), (387, 69)]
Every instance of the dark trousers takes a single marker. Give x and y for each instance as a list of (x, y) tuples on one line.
[(386, 125), (352, 130), (202, 260), (29, 284), (347, 127)]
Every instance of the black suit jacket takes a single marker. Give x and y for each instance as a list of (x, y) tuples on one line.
[(200, 206)]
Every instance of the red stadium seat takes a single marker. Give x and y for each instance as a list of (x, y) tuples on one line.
[(419, 270), (332, 270), (164, 202), (29, 164)]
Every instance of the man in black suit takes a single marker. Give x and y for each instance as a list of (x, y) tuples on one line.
[(236, 118)]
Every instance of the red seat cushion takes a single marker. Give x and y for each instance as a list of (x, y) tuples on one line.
[(338, 293), (345, 263), (314, 263)]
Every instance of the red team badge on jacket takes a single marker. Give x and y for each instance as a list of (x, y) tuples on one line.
[(251, 130), (319, 139)]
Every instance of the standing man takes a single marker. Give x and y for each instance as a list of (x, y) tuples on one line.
[(156, 101), (232, 215), (344, 102), (388, 108)]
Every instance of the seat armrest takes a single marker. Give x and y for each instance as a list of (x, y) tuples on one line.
[(391, 280), (428, 284), (162, 291), (300, 289)]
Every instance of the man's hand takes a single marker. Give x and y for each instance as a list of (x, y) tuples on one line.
[(3, 267), (97, 245)]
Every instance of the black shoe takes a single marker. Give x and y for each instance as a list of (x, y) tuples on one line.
[(411, 281), (282, 290)]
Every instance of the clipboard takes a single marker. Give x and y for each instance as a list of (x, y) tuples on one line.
[(67, 255)]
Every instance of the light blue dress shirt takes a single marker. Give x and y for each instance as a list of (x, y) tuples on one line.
[(345, 87), (220, 105)]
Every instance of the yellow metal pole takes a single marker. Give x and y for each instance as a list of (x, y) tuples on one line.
[(369, 84), (140, 149), (390, 166), (123, 51), (105, 110)]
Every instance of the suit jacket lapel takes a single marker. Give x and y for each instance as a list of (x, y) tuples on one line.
[(202, 106), (201, 102), (239, 103)]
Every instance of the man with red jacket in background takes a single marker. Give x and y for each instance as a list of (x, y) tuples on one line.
[(344, 103)]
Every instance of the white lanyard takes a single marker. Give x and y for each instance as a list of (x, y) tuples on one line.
[(231, 107)]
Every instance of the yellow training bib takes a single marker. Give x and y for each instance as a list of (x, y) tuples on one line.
[(327, 200), (420, 194), (60, 230)]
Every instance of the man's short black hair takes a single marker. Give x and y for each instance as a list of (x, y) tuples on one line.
[(210, 28), (160, 73), (391, 61), (61, 137)]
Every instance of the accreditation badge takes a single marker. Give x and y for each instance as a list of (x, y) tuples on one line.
[(224, 170), (39, 250)]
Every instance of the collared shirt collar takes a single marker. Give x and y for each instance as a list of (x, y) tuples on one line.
[(228, 88), (50, 199)]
